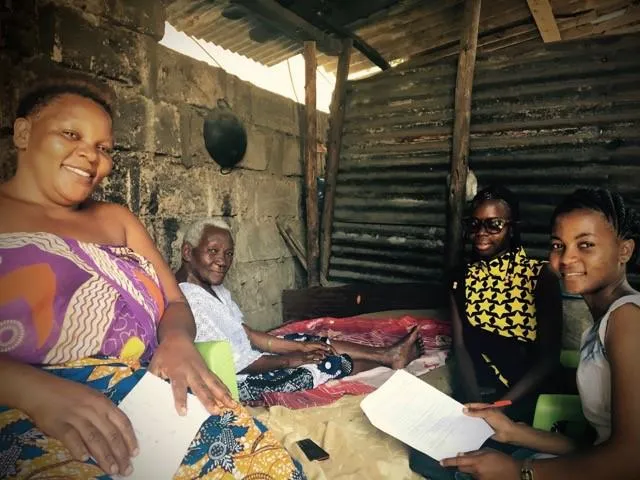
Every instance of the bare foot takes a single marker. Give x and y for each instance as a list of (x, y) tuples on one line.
[(406, 350)]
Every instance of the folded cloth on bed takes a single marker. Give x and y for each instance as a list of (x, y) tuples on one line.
[(319, 396), (375, 332), (435, 336)]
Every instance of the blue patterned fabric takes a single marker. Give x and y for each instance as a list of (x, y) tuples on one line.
[(231, 445), (305, 377)]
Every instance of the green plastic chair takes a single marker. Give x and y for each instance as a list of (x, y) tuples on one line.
[(570, 358), (555, 409), (219, 358)]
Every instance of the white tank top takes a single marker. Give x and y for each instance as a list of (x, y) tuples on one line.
[(594, 373)]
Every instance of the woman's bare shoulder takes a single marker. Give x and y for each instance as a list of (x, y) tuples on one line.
[(114, 217), (627, 312)]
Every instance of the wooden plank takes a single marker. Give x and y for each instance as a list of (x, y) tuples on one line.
[(291, 24), (461, 127), (350, 300), (293, 243), (310, 158), (363, 47), (545, 21), (336, 121)]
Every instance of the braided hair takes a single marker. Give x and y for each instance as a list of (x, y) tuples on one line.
[(624, 219)]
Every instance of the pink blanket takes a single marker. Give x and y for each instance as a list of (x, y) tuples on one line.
[(435, 335)]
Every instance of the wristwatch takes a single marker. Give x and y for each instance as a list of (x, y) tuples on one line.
[(526, 471)]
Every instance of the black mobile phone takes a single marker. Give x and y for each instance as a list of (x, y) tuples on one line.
[(312, 450)]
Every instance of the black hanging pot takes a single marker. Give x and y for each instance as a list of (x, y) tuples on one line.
[(225, 137)]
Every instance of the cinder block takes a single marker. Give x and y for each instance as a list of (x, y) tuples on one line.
[(238, 94), (142, 16), (257, 288), (238, 192), (259, 241), (122, 186), (261, 148), (264, 319), (275, 197), (108, 51), (292, 156), (130, 120), (169, 189), (166, 129), (164, 232), (273, 111), (184, 80), (193, 149)]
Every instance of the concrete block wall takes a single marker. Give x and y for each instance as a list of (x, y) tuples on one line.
[(162, 171)]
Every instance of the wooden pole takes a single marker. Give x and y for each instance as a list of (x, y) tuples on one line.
[(336, 120), (460, 152), (310, 154)]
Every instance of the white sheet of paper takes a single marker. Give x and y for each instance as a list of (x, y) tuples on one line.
[(163, 435), (423, 417)]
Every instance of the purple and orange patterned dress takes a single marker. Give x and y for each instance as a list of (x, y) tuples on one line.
[(89, 313)]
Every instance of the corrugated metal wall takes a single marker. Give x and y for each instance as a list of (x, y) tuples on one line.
[(543, 123)]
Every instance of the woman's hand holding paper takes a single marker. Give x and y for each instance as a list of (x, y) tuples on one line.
[(502, 424)]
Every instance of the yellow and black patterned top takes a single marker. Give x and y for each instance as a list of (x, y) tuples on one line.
[(499, 321)]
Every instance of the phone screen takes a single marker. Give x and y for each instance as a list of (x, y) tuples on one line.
[(312, 450)]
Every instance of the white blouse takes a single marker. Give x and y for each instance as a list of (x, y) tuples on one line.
[(594, 373), (220, 319)]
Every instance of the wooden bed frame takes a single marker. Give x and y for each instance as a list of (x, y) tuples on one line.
[(356, 299)]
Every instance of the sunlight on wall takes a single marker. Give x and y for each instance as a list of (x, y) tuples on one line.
[(276, 79)]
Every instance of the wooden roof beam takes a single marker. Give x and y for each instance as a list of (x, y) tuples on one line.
[(545, 21), (367, 50), (291, 24)]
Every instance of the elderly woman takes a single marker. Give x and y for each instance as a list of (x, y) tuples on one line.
[(86, 304), (267, 363)]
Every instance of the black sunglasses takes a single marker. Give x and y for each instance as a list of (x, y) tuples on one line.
[(493, 225)]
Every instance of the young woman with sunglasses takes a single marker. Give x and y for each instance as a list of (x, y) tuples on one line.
[(506, 311)]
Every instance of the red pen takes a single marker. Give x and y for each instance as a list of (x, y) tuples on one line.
[(498, 404)]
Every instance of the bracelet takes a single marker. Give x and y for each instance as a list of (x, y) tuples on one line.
[(526, 471), (269, 343)]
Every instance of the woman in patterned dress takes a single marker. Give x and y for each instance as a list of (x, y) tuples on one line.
[(86, 304), (506, 311)]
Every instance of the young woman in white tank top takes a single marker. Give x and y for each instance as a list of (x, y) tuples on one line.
[(595, 238)]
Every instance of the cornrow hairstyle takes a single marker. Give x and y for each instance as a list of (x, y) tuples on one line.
[(498, 192), (44, 92), (624, 219)]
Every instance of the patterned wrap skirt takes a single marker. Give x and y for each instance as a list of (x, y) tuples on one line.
[(285, 380)]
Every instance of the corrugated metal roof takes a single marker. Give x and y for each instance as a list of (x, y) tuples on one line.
[(424, 29), (543, 123), (204, 20)]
